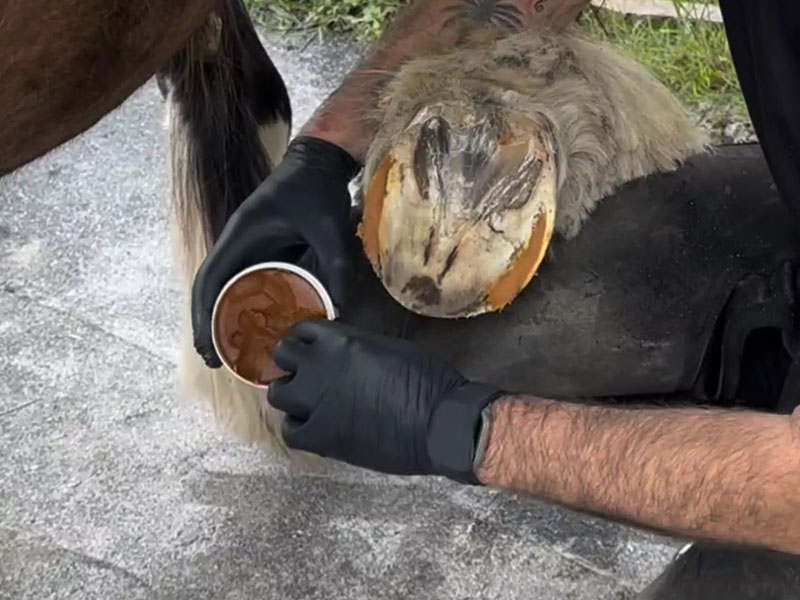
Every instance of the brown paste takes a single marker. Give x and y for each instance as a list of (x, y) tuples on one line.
[(255, 313)]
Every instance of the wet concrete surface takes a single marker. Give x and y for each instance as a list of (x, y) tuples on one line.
[(113, 486)]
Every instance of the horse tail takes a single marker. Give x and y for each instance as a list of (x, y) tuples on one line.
[(229, 121)]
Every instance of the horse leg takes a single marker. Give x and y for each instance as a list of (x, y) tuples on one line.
[(64, 64)]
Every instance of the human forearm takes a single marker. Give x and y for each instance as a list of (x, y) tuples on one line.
[(728, 477), (342, 118)]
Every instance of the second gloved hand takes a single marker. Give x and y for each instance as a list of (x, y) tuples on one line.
[(300, 211), (377, 402)]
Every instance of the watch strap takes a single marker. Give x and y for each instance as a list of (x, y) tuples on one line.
[(456, 435)]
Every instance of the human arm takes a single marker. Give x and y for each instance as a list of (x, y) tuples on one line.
[(384, 404), (724, 476)]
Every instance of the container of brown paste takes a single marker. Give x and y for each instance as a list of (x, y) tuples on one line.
[(256, 309)]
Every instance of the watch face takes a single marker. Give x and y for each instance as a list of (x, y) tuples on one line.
[(482, 438)]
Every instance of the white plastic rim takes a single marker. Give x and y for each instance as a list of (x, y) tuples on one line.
[(315, 283)]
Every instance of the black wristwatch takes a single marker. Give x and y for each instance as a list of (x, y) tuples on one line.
[(458, 431)]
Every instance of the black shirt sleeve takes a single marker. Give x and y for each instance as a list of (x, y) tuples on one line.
[(764, 38)]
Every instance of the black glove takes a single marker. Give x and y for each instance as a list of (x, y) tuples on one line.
[(377, 402), (299, 214)]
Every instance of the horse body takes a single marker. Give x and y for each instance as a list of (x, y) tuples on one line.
[(229, 119), (64, 64)]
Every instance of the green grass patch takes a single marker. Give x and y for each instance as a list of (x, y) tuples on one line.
[(363, 19), (691, 58)]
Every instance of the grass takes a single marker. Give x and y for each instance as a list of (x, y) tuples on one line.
[(691, 58), (362, 18)]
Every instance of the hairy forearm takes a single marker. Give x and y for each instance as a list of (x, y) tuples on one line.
[(418, 27), (720, 476)]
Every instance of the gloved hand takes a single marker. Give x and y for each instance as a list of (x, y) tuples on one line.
[(377, 402), (299, 214)]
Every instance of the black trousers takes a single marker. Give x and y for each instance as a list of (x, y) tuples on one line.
[(708, 573), (764, 39)]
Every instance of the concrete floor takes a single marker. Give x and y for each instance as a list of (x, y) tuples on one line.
[(112, 486)]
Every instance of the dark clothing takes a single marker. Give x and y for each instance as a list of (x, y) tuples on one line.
[(705, 572), (764, 38)]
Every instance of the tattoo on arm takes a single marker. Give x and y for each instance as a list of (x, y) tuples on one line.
[(506, 15), (418, 27)]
